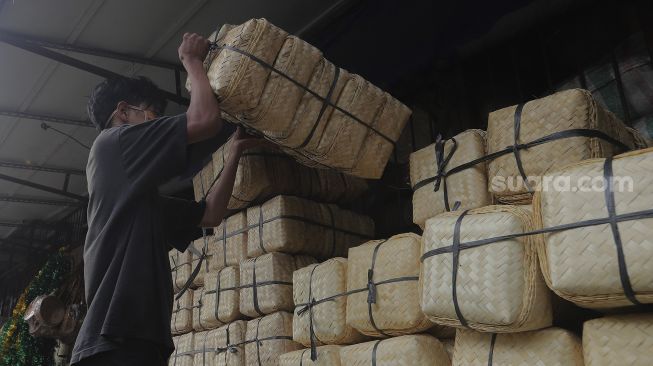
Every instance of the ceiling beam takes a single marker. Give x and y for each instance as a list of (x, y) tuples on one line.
[(41, 168), (92, 51), (46, 118), (38, 201), (73, 62), (43, 187), (6, 243)]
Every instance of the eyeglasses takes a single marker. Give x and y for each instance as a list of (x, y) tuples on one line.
[(145, 111), (152, 114)]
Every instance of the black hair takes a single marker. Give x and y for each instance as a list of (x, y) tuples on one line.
[(135, 91)]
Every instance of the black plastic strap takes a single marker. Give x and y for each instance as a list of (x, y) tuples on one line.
[(325, 104), (260, 229), (255, 293), (258, 341), (374, 351), (312, 335), (612, 214), (454, 270), (199, 310), (175, 356), (577, 132), (493, 341), (442, 161), (516, 146), (175, 268), (224, 242), (315, 223), (638, 215), (300, 219), (371, 289), (195, 272), (301, 358), (262, 339), (303, 87), (228, 348), (203, 349), (216, 310)]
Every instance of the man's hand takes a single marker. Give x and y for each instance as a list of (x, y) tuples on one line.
[(193, 47), (241, 141), (219, 196)]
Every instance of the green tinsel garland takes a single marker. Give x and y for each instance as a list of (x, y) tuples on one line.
[(17, 346)]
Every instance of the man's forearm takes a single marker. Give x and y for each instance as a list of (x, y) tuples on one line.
[(219, 196), (203, 110)]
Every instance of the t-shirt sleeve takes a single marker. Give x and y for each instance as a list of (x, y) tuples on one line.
[(181, 220), (154, 151)]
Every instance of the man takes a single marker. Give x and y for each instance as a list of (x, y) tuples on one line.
[(130, 226)]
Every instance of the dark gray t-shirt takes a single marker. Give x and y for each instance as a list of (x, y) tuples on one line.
[(130, 229)]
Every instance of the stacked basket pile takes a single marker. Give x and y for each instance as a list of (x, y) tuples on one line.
[(238, 309), (244, 279), (267, 172), (496, 245), (365, 309), (489, 270), (321, 114)]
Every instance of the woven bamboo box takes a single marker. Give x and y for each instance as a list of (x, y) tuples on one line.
[(382, 279), (183, 354), (354, 131), (229, 244), (198, 304), (267, 338), (414, 350), (229, 340), (182, 314), (619, 340), (197, 247), (237, 80), (563, 111), (220, 298), (326, 285), (498, 287), (281, 97), (551, 346), (326, 356), (180, 266), (294, 225), (203, 349), (266, 283), (267, 172), (469, 186), (584, 264)]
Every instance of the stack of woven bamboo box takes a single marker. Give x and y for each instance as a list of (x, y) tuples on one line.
[(501, 232), (319, 113), (239, 302), (564, 220)]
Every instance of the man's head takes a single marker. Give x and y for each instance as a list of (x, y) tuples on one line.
[(118, 101)]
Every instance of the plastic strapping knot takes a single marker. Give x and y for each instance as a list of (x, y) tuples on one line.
[(371, 287), (516, 147), (307, 307)]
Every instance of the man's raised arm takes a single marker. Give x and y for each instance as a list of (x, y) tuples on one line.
[(203, 114)]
